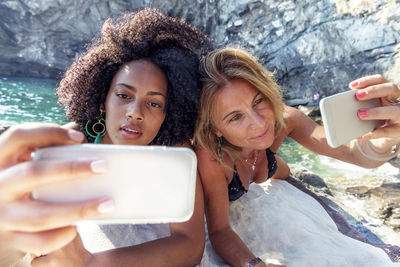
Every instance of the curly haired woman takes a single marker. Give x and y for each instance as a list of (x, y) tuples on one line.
[(141, 79)]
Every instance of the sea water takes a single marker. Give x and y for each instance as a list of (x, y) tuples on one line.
[(29, 99)]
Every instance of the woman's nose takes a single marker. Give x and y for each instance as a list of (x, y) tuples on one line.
[(134, 111), (255, 119)]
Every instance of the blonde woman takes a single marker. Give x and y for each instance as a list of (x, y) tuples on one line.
[(243, 121)]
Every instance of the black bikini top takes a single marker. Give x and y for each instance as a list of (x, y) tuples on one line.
[(236, 188)]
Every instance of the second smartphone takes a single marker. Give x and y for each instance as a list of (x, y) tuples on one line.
[(339, 115)]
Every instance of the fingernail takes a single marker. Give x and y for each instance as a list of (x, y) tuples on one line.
[(99, 166), (361, 94), (354, 84), (362, 113), (359, 138), (76, 136), (106, 206)]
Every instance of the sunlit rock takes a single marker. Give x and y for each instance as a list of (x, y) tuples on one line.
[(314, 47)]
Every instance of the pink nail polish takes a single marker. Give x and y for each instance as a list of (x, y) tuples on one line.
[(359, 138), (354, 84), (99, 166), (362, 113), (106, 206), (361, 94)]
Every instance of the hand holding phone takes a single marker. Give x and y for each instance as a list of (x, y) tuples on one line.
[(339, 115), (149, 184)]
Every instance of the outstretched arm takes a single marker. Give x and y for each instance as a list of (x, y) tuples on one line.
[(378, 142)]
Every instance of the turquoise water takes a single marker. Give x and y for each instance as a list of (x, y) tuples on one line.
[(27, 100)]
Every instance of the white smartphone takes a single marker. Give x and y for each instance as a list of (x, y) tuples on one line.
[(149, 184), (339, 116)]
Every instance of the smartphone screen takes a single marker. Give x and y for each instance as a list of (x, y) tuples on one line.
[(339, 116), (149, 184)]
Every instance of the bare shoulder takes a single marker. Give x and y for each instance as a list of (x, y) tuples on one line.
[(208, 162), (211, 171), (204, 154), (292, 115), (298, 123)]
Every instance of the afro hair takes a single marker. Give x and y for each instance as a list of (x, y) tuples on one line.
[(171, 44)]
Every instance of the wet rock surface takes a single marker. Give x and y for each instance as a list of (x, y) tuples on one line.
[(314, 47), (382, 202), (312, 181)]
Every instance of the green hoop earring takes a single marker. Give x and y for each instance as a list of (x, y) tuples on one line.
[(99, 128)]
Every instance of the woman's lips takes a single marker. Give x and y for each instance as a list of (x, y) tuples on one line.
[(262, 136), (131, 132)]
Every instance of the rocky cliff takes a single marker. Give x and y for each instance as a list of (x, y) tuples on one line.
[(315, 47)]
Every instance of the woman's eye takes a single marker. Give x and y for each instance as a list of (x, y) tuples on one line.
[(155, 105), (235, 118), (258, 101), (123, 96)]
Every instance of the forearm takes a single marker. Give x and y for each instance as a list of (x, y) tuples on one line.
[(312, 136), (231, 248), (368, 155), (348, 153), (175, 250)]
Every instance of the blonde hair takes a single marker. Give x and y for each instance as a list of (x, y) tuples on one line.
[(217, 69)]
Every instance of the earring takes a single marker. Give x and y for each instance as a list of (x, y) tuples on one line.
[(98, 128), (220, 154)]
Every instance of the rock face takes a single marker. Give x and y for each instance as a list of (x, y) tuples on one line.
[(310, 180), (315, 47), (384, 202)]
